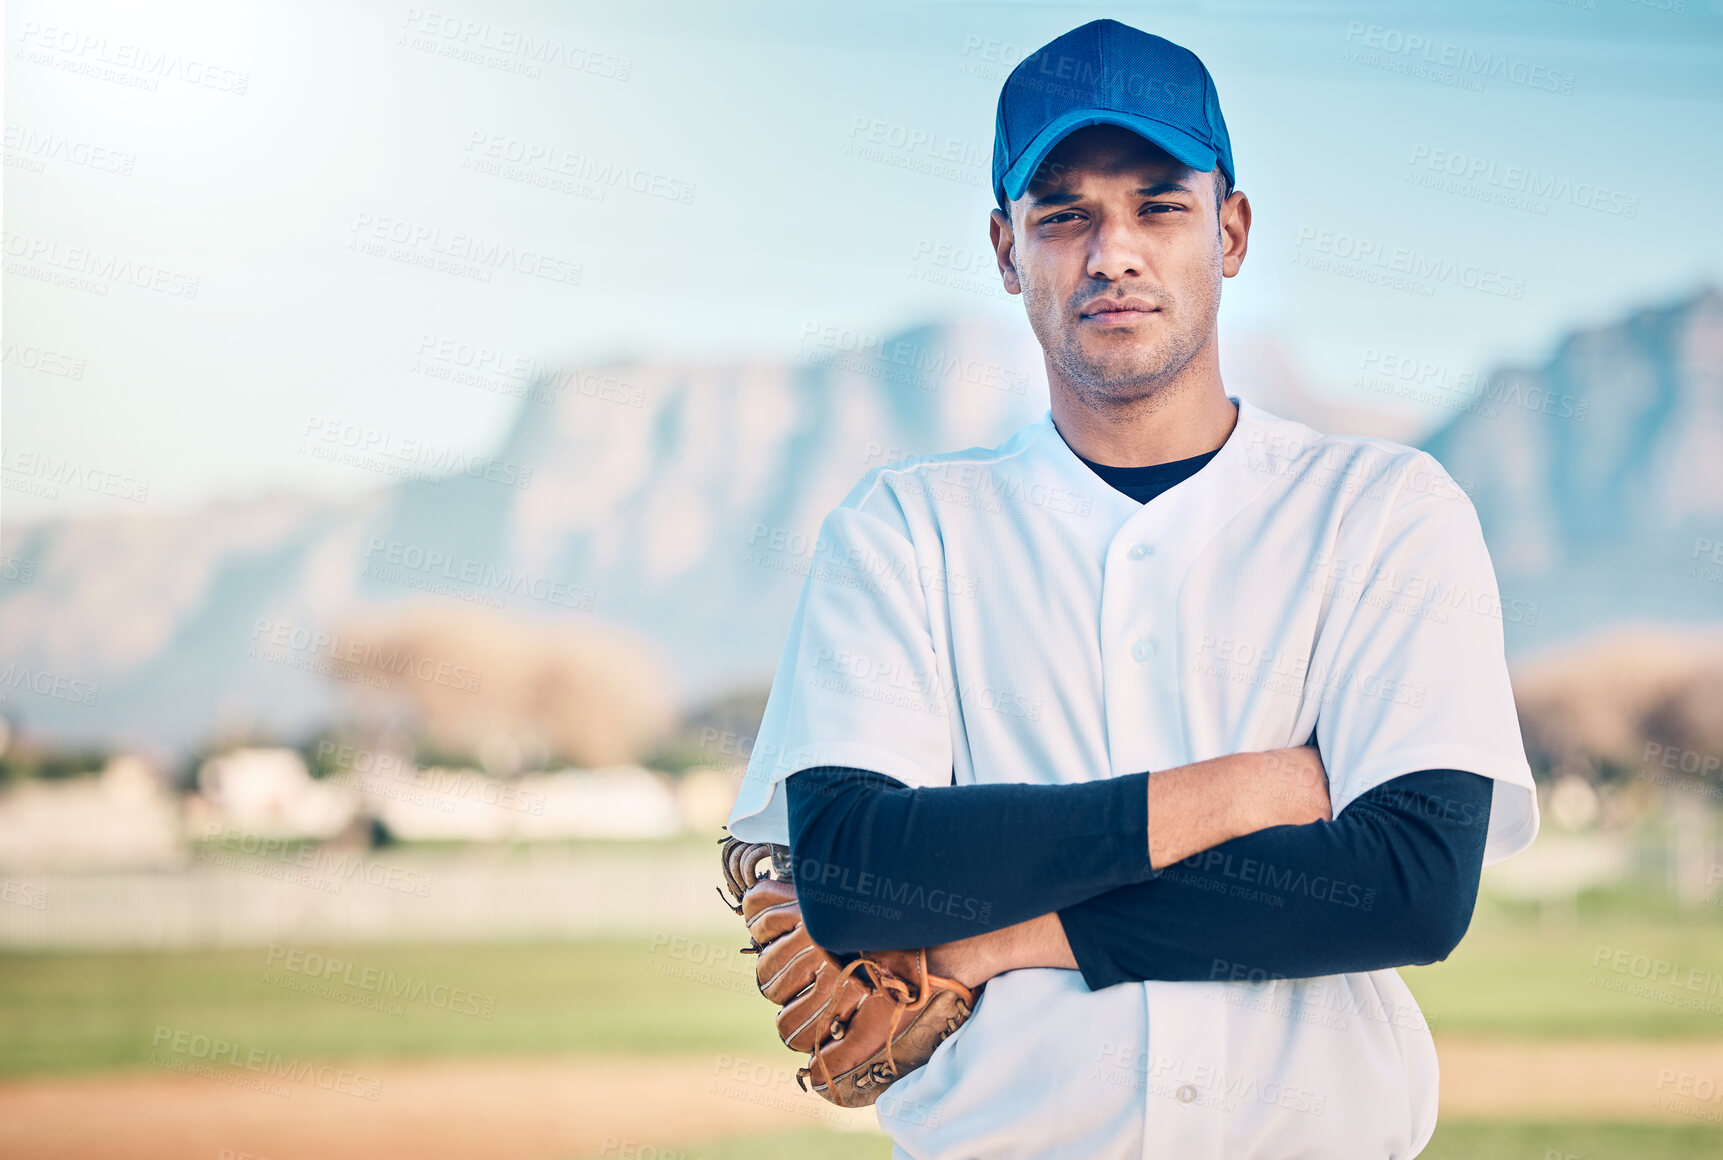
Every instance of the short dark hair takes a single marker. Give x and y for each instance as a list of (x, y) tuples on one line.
[(1222, 187)]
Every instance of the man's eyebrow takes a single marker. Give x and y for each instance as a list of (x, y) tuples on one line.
[(1065, 197), (1061, 198)]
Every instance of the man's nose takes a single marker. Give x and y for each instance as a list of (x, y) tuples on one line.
[(1115, 252)]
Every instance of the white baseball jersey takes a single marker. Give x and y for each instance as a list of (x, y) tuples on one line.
[(1004, 615)]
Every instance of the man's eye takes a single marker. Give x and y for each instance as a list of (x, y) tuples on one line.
[(1056, 217), (1160, 206)]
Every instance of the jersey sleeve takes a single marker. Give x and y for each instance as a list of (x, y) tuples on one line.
[(1410, 667), (859, 682)]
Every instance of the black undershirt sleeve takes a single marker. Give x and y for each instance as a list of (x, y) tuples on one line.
[(880, 866), (1391, 881)]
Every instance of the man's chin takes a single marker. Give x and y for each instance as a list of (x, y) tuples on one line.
[(1121, 384), (1123, 365)]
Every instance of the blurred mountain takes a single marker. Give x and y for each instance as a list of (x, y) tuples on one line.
[(1256, 365), (1598, 476), (671, 508), (677, 503)]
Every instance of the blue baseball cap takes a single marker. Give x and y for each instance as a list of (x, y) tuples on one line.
[(1107, 73)]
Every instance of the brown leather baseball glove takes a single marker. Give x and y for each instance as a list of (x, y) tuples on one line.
[(863, 1020)]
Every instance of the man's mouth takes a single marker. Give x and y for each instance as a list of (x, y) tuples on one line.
[(1117, 311)]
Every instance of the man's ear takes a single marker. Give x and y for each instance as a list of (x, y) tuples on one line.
[(1004, 250), (1234, 232)]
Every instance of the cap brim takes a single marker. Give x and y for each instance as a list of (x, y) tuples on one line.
[(1184, 148)]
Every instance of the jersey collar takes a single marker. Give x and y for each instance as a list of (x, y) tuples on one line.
[(1190, 511)]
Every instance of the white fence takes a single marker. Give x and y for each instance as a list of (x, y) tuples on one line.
[(465, 894)]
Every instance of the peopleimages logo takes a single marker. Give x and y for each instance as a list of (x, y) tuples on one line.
[(301, 862), (46, 684), (1408, 377), (934, 145), (377, 980), (506, 47), (42, 361), (92, 270), (34, 147), (552, 161), (361, 446), (1368, 41), (1062, 74), (1418, 267), (443, 788), (40, 473), (461, 253), (480, 575), (212, 1051), (140, 65), (1524, 180), (390, 660)]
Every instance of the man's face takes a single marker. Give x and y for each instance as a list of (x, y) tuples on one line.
[(1118, 251)]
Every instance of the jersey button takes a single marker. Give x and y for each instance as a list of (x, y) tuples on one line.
[(1143, 649), (1138, 551), (1187, 1094)]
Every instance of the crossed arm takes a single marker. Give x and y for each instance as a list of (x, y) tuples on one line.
[(1223, 869)]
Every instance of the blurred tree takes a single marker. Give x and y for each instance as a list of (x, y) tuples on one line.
[(1607, 708), (720, 734), (513, 693), (1689, 720)]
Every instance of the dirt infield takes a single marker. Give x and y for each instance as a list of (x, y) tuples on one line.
[(453, 1110), (535, 1109), (1647, 1080)]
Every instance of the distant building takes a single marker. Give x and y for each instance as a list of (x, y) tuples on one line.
[(269, 792), (625, 801), (122, 818)]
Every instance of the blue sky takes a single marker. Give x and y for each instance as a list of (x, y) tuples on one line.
[(796, 164)]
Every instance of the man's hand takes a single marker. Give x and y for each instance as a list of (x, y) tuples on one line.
[(1194, 807)]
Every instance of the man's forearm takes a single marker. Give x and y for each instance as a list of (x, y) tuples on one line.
[(1196, 807), (1391, 883), (881, 866), (1191, 808)]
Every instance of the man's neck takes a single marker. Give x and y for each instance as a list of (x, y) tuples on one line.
[(1188, 417)]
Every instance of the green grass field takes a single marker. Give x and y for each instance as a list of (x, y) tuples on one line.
[(67, 1013), (1462, 1140), (1456, 1141), (1515, 976), (77, 1013)]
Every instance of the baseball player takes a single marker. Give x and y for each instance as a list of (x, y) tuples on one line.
[(1172, 724)]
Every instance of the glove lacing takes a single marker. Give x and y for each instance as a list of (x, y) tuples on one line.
[(904, 998)]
